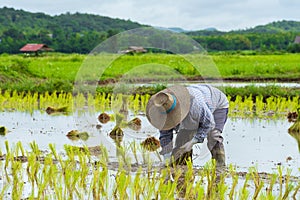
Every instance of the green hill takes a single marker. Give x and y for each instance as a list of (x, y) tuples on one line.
[(32, 22), (275, 36), (283, 26), (275, 27), (65, 33), (80, 33)]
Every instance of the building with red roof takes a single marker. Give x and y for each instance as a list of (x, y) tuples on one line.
[(35, 48)]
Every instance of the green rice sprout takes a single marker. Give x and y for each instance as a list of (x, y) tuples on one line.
[(280, 176), (138, 185), (133, 148), (235, 177), (296, 191), (273, 178), (99, 181), (189, 177), (35, 149), (258, 183), (53, 150), (17, 174), (21, 148), (210, 175), (122, 183), (9, 157), (222, 188), (244, 193), (32, 170), (288, 186)]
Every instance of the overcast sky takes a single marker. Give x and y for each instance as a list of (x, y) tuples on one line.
[(224, 15)]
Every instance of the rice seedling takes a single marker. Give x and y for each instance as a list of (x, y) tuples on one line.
[(104, 118), (3, 130), (77, 135), (99, 182), (288, 186), (51, 110), (295, 128), (244, 193), (273, 178), (258, 183), (151, 144), (240, 106), (235, 177), (135, 124), (76, 177)]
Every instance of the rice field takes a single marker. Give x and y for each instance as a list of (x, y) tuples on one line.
[(89, 172)]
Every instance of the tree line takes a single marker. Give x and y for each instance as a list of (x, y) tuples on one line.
[(80, 33), (249, 41)]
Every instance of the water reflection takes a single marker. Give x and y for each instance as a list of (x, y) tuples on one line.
[(265, 143)]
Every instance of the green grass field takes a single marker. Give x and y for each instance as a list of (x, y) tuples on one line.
[(59, 71)]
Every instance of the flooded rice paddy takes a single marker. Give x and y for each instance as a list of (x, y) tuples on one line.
[(251, 143), (265, 144)]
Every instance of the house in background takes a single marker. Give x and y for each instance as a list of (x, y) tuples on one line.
[(297, 40), (133, 50), (35, 48)]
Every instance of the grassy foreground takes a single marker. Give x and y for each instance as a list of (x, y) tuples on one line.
[(58, 72)]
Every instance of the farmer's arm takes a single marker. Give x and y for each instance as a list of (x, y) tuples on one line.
[(206, 122), (166, 141)]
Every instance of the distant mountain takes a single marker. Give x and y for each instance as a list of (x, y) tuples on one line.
[(173, 29), (66, 33), (274, 27), (31, 22), (81, 33)]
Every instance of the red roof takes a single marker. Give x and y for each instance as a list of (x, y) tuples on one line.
[(35, 47)]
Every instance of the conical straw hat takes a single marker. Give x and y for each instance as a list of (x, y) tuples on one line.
[(167, 108)]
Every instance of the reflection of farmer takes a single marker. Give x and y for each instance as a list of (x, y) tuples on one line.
[(194, 113)]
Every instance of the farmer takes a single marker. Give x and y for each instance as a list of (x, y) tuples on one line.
[(194, 112)]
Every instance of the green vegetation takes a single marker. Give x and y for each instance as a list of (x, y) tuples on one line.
[(258, 66), (73, 176), (240, 106), (67, 33), (57, 72), (81, 33)]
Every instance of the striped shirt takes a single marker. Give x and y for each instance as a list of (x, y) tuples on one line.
[(205, 100)]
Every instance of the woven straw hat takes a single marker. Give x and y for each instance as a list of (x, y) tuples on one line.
[(167, 108)]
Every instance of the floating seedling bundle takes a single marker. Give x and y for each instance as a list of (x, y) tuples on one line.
[(294, 130), (3, 130), (76, 135), (51, 110), (150, 144)]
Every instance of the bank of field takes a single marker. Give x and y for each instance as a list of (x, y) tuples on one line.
[(59, 71)]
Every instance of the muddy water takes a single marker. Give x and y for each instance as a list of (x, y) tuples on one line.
[(261, 143)]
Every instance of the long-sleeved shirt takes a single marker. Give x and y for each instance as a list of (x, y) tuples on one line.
[(204, 101)]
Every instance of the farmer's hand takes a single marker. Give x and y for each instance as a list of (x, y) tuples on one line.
[(167, 157), (189, 145), (165, 162)]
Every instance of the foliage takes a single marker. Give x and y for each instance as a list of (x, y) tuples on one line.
[(260, 42), (65, 33), (81, 33), (58, 72), (240, 106), (32, 174)]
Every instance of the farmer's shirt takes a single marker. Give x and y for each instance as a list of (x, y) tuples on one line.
[(204, 101)]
